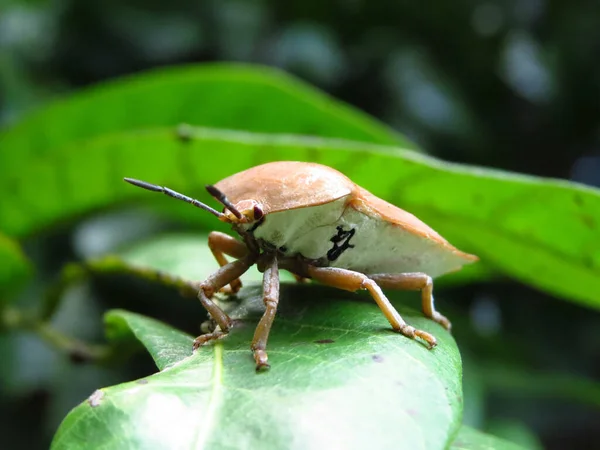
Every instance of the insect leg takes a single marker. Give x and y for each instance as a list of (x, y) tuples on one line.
[(353, 281), (299, 279), (220, 243), (211, 285), (414, 281), (271, 299)]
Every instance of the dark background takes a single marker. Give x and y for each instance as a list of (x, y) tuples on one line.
[(507, 84)]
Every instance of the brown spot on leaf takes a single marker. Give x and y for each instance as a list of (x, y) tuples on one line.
[(142, 381), (588, 221), (377, 358), (325, 341), (96, 398)]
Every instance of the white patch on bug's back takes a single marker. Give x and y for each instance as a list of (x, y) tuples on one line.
[(304, 231), (382, 247), (376, 246)]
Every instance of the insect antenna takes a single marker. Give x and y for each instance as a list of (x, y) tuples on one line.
[(177, 195), (222, 198)]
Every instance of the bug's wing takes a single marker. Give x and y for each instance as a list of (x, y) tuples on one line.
[(412, 243), (284, 185)]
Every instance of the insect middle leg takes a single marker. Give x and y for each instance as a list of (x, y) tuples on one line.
[(212, 284), (414, 281), (353, 281), (271, 299), (220, 244), (299, 279)]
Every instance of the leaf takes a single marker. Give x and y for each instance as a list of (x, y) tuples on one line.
[(511, 379), (213, 95), (471, 439), (514, 431), (15, 268), (540, 231), (338, 372), (185, 255), (166, 345)]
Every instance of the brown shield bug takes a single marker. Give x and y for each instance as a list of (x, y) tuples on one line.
[(316, 223)]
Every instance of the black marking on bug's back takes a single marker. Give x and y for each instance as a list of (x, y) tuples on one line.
[(342, 237)]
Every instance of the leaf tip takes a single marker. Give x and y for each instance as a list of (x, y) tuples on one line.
[(96, 398)]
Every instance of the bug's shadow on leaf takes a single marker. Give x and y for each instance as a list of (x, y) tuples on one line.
[(301, 303)]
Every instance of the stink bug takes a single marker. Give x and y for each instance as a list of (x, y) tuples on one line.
[(314, 222)]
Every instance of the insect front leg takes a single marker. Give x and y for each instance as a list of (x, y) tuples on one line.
[(414, 281), (221, 243), (271, 299), (353, 281), (212, 284)]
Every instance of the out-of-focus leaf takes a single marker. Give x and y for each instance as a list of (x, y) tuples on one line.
[(185, 255), (516, 432), (220, 95), (541, 231), (338, 375), (509, 378), (471, 439), (15, 268)]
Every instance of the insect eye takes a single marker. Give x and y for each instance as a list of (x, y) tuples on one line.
[(258, 212)]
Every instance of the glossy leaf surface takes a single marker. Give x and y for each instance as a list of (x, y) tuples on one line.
[(338, 375)]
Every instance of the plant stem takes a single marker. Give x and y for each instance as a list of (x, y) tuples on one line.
[(77, 350), (72, 273), (75, 272)]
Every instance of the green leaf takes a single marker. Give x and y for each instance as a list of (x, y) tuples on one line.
[(15, 268), (514, 431), (471, 439), (185, 255), (165, 344), (541, 231), (338, 375), (216, 95), (510, 379)]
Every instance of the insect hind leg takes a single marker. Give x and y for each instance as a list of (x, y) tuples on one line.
[(414, 281), (353, 281)]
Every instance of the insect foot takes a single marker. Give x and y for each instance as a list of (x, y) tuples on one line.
[(413, 333), (442, 320), (261, 358), (204, 338)]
